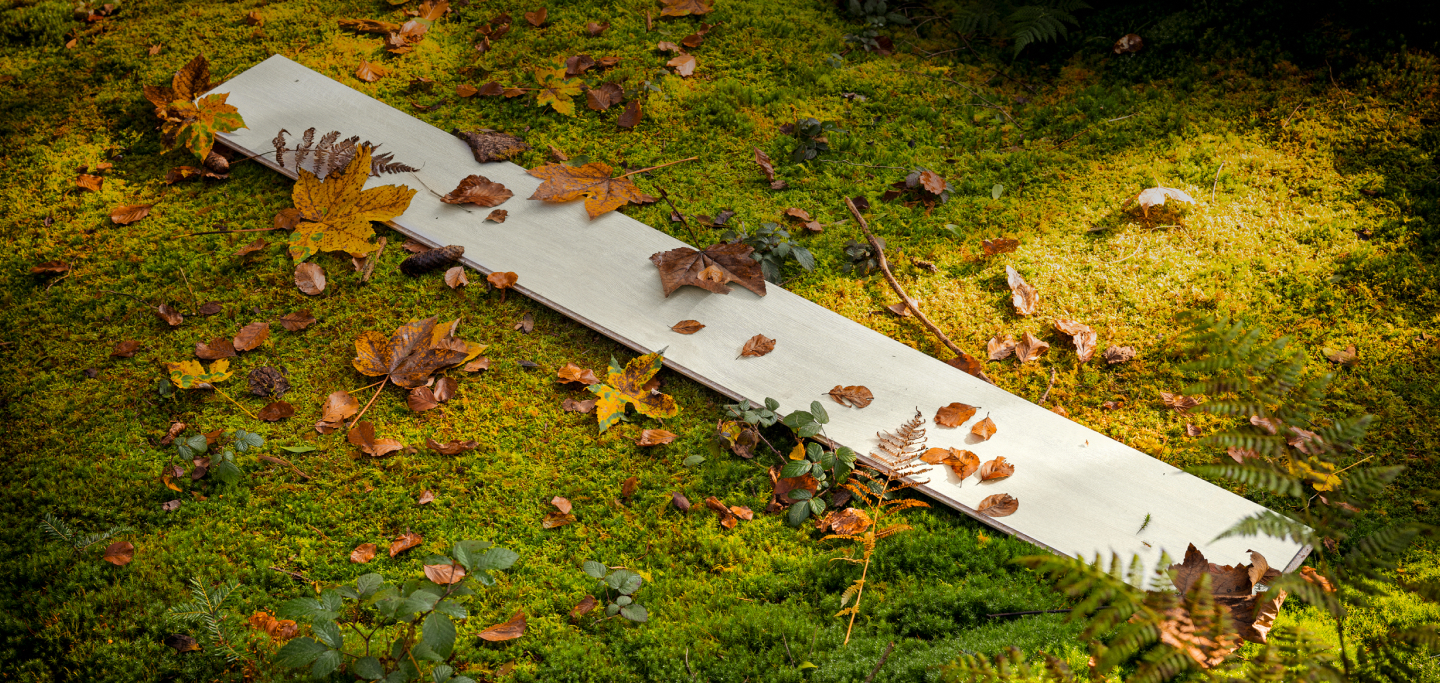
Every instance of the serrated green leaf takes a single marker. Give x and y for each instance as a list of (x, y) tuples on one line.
[(819, 412), (595, 569), (799, 512), (328, 632), (369, 583), (298, 652), (635, 613), (817, 506), (625, 581), (496, 559), (367, 668), (808, 430), (438, 634), (245, 441), (612, 609), (325, 664), (451, 609), (226, 471), (795, 468), (799, 494)]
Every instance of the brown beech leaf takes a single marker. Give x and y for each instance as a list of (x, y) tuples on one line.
[(604, 97), (1030, 348), (757, 346), (1347, 357), (299, 320), (444, 574), (481, 363), (405, 542), (996, 469), (584, 607), (310, 278), (251, 248), (50, 268), (899, 309), (1000, 349), (466, 90), (631, 116), (799, 214), (1234, 587), (209, 308), (526, 324), (680, 8), (89, 182), (687, 327), (1240, 455), (629, 487), (684, 65), (536, 18), (968, 364), (445, 389), (413, 353), (849, 522), (251, 336), (362, 435), (768, 168), (488, 145), (119, 553), (276, 411), (593, 181), (954, 414), (125, 349), (1081, 335), (998, 505), (711, 269), (574, 406), (421, 399), (577, 65), (369, 72), (561, 504), (999, 245), (1022, 295), (455, 277), (742, 512), (667, 46), (852, 396), (1180, 403), (171, 316), (497, 216), (426, 497), (363, 553), (450, 448), (1309, 574), (594, 30), (339, 406), (125, 215), (574, 373), (1118, 354), (727, 518), (680, 502), (478, 190), (218, 347), (984, 429), (556, 519), (655, 437), (510, 630)]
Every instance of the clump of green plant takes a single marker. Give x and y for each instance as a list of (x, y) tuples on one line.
[(772, 245), (207, 609), (617, 591), (921, 187), (57, 528), (816, 462), (1023, 25), (402, 632), (876, 15), (811, 138), (897, 464), (221, 463), (862, 260)]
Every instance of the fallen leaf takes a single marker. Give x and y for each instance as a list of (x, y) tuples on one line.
[(1000, 349), (583, 607), (502, 281), (337, 213), (404, 542), (1030, 348), (125, 215), (171, 316), (299, 320), (557, 90), (466, 90), (50, 268), (962, 462), (1180, 403), (1240, 455), (1129, 42), (1118, 354), (757, 346), (89, 182), (593, 182), (1022, 295), (1191, 430), (561, 504), (799, 214), (536, 18), (631, 387), (687, 327), (253, 18), (852, 396), (421, 399), (667, 46), (276, 411), (899, 309), (968, 364), (727, 518), (190, 375), (450, 448), (556, 519), (680, 502), (415, 351), (478, 190), (1252, 612), (984, 429), (768, 168), (510, 630), (1309, 574), (119, 553), (711, 270), (125, 349), (339, 406), (574, 406), (595, 29), (631, 116), (310, 278), (251, 248), (497, 216), (444, 574), (489, 146), (998, 505), (455, 277), (154, 50), (253, 335), (655, 437), (481, 363), (680, 8), (742, 512), (954, 414), (999, 245), (209, 308), (1347, 357), (1156, 196), (369, 72), (1081, 335), (684, 65), (849, 522), (574, 373), (362, 435), (996, 469), (218, 348), (526, 324), (170, 505)]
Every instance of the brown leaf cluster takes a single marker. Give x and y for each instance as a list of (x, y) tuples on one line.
[(847, 522), (362, 435), (594, 182), (962, 462), (279, 629), (573, 373), (728, 519), (711, 270), (1233, 586), (1022, 295), (1083, 336)]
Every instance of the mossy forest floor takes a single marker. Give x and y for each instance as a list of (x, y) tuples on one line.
[(1316, 215)]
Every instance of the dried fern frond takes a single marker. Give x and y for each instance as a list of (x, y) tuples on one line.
[(330, 155), (904, 445)]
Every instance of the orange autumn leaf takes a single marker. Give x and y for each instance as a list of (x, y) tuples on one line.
[(593, 182), (984, 429), (852, 396), (510, 630), (996, 469), (757, 346), (954, 414), (655, 437), (998, 505), (574, 373), (405, 542)]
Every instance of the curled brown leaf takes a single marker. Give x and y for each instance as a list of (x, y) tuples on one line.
[(998, 505)]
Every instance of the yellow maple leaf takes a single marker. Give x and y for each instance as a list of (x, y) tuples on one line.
[(627, 387), (556, 90), (336, 212)]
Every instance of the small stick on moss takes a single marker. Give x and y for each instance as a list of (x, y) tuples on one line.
[(1047, 387), (367, 386), (785, 640), (237, 403), (1217, 182), (295, 575), (895, 285), (367, 405), (287, 463), (666, 196), (651, 168), (194, 298), (888, 649)]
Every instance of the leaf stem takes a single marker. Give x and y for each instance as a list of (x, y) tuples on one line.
[(666, 196), (642, 170), (367, 386), (372, 402), (237, 403)]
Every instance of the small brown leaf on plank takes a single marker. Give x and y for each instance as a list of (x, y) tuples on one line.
[(171, 316), (125, 215), (954, 414), (299, 320), (655, 437), (125, 349), (852, 396), (119, 553), (405, 542), (984, 429), (968, 364), (711, 270), (218, 347), (251, 336), (998, 505), (455, 277), (1000, 349), (999, 245), (687, 327), (1083, 336), (1022, 295), (497, 216), (310, 278), (510, 630), (574, 406), (757, 346), (996, 469), (1030, 348), (478, 190)]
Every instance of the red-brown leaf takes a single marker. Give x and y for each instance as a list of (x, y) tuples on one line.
[(125, 215), (757, 346), (510, 630), (363, 553), (998, 505), (996, 469), (405, 542)]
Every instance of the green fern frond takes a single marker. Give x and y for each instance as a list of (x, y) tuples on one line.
[(1261, 476), (1274, 524)]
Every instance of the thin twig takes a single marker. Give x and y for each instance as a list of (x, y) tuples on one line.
[(889, 277), (1137, 250), (687, 650), (68, 273), (841, 161), (666, 196), (1035, 611), (237, 403), (1047, 387), (367, 405), (293, 574), (224, 232), (1286, 123), (287, 463), (194, 298), (651, 168), (367, 386), (1216, 182), (787, 649), (888, 649)]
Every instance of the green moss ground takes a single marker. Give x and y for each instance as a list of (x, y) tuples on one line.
[(1316, 216)]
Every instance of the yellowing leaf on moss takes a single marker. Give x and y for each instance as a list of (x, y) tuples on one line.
[(189, 374), (194, 124), (627, 387), (336, 212), (557, 90)]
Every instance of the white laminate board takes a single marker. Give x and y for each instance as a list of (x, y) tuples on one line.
[(1080, 492)]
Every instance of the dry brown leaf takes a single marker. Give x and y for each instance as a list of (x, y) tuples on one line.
[(711, 269), (999, 245), (526, 324), (629, 487), (1347, 357), (276, 411), (684, 65), (574, 373), (209, 308), (1030, 348), (1191, 430), (742, 512), (488, 145), (510, 630), (310, 278), (450, 448), (1129, 42), (363, 553), (1022, 295), (1156, 196), (251, 248), (687, 327), (1118, 354), (405, 542), (119, 553), (369, 72), (996, 469), (594, 30), (251, 336), (362, 435), (850, 522), (556, 519), (768, 168), (444, 574), (218, 347), (1309, 574), (574, 406), (1180, 403), (171, 316), (852, 396), (655, 437), (497, 216), (984, 429), (502, 280), (584, 607), (50, 268), (536, 18), (593, 181), (1240, 455), (455, 277), (1000, 349), (757, 346), (481, 363), (125, 349), (969, 365), (421, 399), (680, 502), (727, 518), (962, 462), (339, 406), (899, 309), (89, 182), (1081, 335), (426, 497), (998, 505), (125, 215), (680, 8), (478, 190), (954, 414), (561, 504)]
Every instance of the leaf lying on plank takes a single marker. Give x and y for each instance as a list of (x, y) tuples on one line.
[(497, 216), (962, 462), (853, 397), (757, 346), (489, 146), (593, 182), (998, 505), (984, 429), (1022, 294), (478, 190), (331, 154), (628, 387), (337, 212), (997, 468), (711, 270), (687, 327), (954, 414)]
